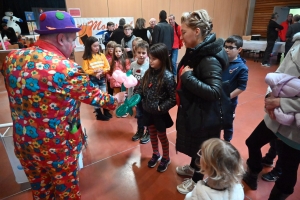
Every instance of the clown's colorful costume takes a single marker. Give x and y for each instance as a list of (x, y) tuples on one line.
[(45, 90)]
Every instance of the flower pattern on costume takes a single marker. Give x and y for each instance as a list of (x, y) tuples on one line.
[(44, 92)]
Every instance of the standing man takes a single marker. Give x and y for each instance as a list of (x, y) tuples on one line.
[(118, 34), (163, 32), (293, 29), (152, 23), (177, 43), (45, 89), (272, 35), (282, 33)]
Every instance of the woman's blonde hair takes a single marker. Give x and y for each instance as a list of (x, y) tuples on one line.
[(140, 23), (198, 19), (223, 162)]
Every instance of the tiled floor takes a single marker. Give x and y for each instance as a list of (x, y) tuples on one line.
[(116, 168)]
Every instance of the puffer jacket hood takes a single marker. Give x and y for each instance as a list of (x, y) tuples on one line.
[(214, 47), (209, 47)]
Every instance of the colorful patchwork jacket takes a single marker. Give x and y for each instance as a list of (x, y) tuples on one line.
[(45, 90)]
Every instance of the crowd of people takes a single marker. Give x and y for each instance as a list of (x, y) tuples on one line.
[(285, 31), (45, 93)]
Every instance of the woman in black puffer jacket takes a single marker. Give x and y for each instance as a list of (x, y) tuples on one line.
[(199, 83)]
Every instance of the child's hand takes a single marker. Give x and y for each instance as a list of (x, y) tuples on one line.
[(121, 96), (186, 69), (98, 75)]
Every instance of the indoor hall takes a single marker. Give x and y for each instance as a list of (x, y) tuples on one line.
[(116, 167)]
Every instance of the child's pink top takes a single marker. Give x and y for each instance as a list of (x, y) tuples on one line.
[(109, 58), (118, 66)]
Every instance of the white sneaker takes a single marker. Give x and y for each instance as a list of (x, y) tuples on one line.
[(124, 116), (265, 65), (186, 186), (185, 170)]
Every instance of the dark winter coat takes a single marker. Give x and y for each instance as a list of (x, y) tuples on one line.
[(272, 33), (163, 33), (142, 33), (165, 98), (204, 85), (117, 35)]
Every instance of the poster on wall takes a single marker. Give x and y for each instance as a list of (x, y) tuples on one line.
[(95, 27), (29, 16), (31, 27)]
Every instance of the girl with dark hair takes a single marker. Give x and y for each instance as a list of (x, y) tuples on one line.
[(96, 66), (157, 89)]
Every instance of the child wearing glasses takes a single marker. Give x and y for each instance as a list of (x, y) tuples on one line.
[(126, 42), (222, 164), (236, 73)]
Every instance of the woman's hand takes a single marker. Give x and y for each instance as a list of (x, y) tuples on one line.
[(271, 114), (272, 102), (186, 69)]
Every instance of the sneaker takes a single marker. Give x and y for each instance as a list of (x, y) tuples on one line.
[(270, 176), (186, 186), (145, 138), (265, 65), (267, 163), (138, 135), (185, 170), (163, 165), (155, 158), (124, 116)]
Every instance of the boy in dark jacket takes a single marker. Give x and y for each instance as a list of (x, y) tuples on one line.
[(236, 74)]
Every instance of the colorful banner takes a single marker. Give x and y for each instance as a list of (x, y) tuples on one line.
[(95, 27)]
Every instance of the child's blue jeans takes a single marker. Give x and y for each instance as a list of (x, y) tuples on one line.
[(99, 83)]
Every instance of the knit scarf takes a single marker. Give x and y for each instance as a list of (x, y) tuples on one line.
[(127, 39)]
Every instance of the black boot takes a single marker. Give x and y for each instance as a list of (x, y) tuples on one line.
[(106, 113), (138, 134), (100, 116), (250, 179), (276, 194)]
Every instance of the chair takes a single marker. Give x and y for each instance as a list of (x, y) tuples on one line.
[(247, 38)]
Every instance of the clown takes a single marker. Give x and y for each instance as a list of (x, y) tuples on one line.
[(47, 131), (11, 20)]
